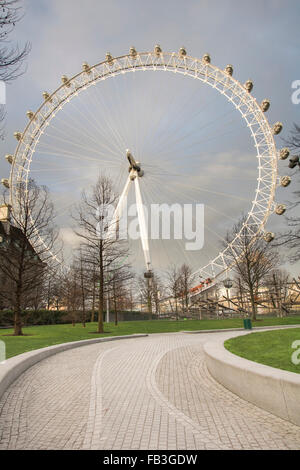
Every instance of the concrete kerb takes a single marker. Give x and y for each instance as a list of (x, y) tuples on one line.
[(255, 328), (12, 368), (274, 390)]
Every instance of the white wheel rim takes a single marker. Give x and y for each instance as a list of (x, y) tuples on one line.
[(233, 90)]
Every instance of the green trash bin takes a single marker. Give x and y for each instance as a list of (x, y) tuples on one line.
[(247, 324)]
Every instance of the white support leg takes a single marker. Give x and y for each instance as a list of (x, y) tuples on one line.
[(142, 224), (114, 226)]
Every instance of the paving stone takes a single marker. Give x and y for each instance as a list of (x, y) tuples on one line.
[(146, 393)]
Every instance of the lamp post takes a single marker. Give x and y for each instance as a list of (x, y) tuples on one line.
[(228, 283), (107, 307)]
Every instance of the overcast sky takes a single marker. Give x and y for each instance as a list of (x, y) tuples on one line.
[(260, 38)]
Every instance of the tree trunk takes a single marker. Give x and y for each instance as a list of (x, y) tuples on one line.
[(116, 311), (253, 305), (17, 322), (100, 311), (101, 294), (241, 296), (83, 301), (93, 302), (17, 314), (48, 296)]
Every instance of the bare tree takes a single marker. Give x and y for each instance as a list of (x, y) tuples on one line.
[(72, 291), (151, 290), (96, 230), (82, 267), (253, 259), (277, 290), (158, 292), (185, 283), (93, 280), (11, 56), (27, 245), (118, 287), (146, 286), (173, 285), (53, 287), (130, 289), (294, 139), (291, 237)]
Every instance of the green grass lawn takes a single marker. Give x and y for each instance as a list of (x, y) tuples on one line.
[(273, 348), (42, 336)]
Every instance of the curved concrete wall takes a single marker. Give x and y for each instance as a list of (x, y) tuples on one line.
[(12, 368), (274, 390)]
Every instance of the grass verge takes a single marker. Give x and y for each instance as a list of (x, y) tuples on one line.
[(41, 336), (272, 348)]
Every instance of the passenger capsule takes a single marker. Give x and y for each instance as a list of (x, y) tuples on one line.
[(280, 209), (86, 68), (284, 153), (5, 182), (109, 58), (229, 69), (148, 274), (132, 52), (277, 128), (157, 50), (285, 181), (18, 135), (182, 52), (46, 96), (265, 105), (9, 159), (65, 81), (206, 58), (249, 86), (269, 236), (30, 114)]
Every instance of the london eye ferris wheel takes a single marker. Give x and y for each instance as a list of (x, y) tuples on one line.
[(196, 134)]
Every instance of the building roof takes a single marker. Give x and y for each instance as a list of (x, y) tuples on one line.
[(14, 234)]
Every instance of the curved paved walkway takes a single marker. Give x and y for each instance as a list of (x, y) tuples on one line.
[(145, 393)]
